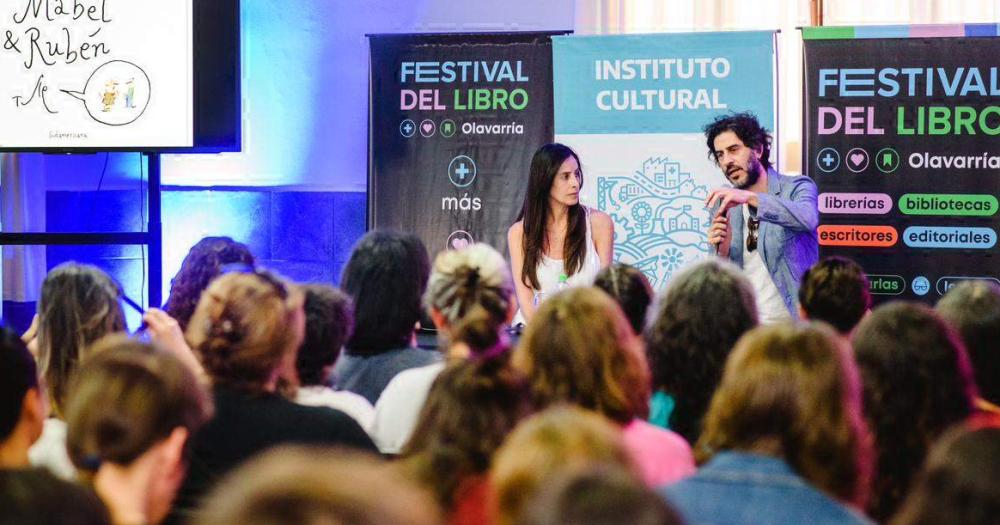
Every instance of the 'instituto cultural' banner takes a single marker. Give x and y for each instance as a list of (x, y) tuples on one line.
[(901, 128), (633, 107), (454, 120)]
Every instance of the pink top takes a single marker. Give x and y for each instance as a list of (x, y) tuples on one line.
[(662, 456)]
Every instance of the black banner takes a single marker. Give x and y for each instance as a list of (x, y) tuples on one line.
[(454, 120), (901, 136)]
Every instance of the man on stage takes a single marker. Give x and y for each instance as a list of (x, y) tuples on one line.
[(765, 223)]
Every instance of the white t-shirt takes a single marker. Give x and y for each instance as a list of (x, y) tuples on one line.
[(770, 306), (347, 402), (399, 406), (50, 450)]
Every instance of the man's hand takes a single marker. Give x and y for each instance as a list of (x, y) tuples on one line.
[(728, 198), (719, 234)]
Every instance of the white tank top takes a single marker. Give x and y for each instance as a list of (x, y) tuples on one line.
[(548, 270)]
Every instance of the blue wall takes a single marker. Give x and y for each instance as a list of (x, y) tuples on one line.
[(306, 236)]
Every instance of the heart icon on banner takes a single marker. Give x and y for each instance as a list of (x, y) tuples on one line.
[(459, 242), (426, 127), (857, 159)]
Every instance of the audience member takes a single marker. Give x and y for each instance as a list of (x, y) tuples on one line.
[(541, 447), (835, 291), (203, 263), (472, 283), (79, 304), (699, 317), (23, 406), (580, 349), (973, 309), (385, 276), (784, 438), (471, 408), (630, 289), (917, 383), (247, 329), (132, 409), (306, 486), (329, 321), (959, 483), (598, 495), (35, 496)]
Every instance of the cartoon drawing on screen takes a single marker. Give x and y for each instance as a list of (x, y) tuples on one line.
[(108, 105), (109, 95), (130, 93), (659, 216)]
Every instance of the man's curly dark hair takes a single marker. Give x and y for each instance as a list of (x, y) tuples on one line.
[(746, 126), (200, 266), (917, 382)]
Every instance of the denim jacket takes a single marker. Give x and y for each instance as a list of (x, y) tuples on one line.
[(737, 488), (787, 239)]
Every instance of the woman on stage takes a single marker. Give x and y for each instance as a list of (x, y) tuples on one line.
[(554, 234)]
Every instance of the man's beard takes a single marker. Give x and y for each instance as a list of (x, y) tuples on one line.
[(754, 168)]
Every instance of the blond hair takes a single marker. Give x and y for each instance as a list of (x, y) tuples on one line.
[(546, 444), (579, 348), (796, 387), (297, 485), (126, 397), (244, 327)]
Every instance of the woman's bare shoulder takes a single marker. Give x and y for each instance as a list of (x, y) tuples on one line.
[(516, 229), (599, 218)]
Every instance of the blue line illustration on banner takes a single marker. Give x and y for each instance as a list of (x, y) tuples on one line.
[(658, 213), (633, 108)]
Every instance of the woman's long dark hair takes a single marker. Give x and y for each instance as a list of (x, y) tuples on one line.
[(535, 214), (79, 305), (917, 382)]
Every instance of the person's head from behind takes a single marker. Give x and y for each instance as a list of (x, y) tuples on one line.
[(247, 330), (312, 486), (973, 309), (696, 321), (917, 382), (580, 349), (79, 304), (470, 409), (203, 263), (23, 407), (740, 146), (471, 283), (132, 409), (598, 495), (835, 291), (630, 289), (543, 445), (329, 321), (385, 276), (555, 179), (793, 392), (35, 496), (959, 482)]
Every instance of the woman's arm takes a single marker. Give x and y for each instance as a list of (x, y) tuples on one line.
[(603, 231), (525, 295)]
